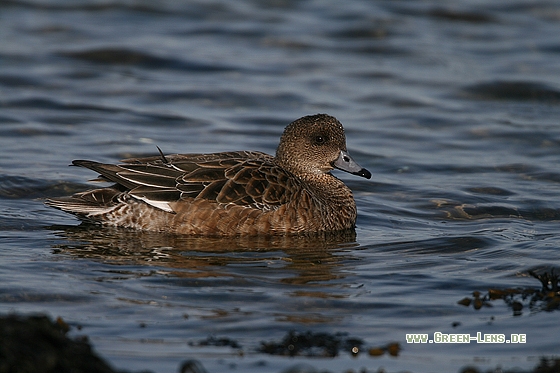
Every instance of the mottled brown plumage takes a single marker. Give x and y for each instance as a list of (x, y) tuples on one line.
[(231, 193)]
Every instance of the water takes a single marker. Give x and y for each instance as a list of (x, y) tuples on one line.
[(453, 107)]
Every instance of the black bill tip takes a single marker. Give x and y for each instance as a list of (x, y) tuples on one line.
[(363, 173)]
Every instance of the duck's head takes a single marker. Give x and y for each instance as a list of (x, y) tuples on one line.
[(314, 145)]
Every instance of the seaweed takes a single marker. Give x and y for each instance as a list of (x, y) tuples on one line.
[(30, 344), (312, 344), (217, 342), (547, 298)]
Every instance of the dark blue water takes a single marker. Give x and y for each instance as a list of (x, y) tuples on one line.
[(453, 107)]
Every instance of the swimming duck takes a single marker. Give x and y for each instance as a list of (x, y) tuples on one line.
[(230, 193)]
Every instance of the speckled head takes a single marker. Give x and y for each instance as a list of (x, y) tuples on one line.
[(314, 145)]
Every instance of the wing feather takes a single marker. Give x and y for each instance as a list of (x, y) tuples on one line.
[(248, 179)]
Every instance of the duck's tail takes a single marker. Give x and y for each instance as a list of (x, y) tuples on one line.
[(87, 204)]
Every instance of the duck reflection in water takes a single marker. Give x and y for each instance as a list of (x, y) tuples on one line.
[(289, 259)]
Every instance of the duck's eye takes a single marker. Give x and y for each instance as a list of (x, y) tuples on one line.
[(320, 140)]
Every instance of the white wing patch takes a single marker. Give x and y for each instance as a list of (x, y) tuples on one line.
[(162, 205)]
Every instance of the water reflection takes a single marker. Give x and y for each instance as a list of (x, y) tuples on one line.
[(289, 260)]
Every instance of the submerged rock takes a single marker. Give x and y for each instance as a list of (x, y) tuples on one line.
[(30, 344)]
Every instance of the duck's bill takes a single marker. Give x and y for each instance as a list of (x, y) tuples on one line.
[(345, 163)]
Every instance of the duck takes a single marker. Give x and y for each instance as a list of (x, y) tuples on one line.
[(235, 193)]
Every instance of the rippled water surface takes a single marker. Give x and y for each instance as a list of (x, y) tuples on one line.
[(454, 107)]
